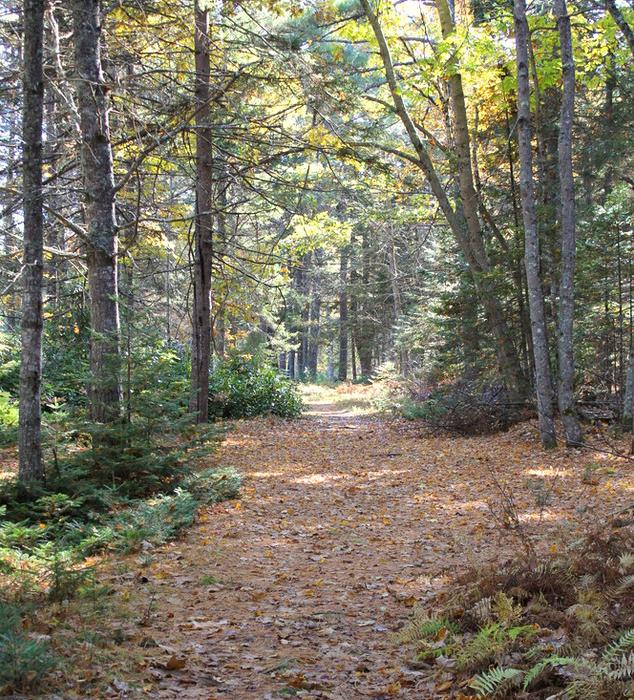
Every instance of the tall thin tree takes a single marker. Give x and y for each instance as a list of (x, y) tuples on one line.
[(203, 222), (30, 443), (543, 380), (99, 205), (565, 349)]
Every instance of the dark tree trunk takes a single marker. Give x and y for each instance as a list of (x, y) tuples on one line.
[(565, 349), (543, 381), (99, 195), (342, 373), (203, 224), (30, 444)]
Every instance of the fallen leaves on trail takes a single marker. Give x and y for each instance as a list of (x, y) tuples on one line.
[(344, 524)]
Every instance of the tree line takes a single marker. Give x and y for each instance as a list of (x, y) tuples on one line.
[(441, 188)]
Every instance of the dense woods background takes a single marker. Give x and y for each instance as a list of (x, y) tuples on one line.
[(202, 201), (347, 184)]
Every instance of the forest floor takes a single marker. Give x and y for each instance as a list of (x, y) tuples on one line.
[(345, 522)]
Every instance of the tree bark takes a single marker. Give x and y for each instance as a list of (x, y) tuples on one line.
[(203, 223), (342, 374), (30, 442), (565, 349), (99, 196), (314, 327), (543, 381)]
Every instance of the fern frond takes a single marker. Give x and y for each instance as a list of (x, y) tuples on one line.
[(550, 662), (504, 609), (625, 641), (495, 680), (622, 669), (479, 650), (626, 582), (422, 628), (482, 610), (587, 581), (626, 562)]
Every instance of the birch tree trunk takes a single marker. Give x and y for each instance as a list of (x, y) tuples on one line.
[(543, 381), (30, 443), (621, 22), (99, 199), (203, 224), (565, 350)]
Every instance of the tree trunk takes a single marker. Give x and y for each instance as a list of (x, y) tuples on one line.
[(30, 443), (99, 194), (543, 381), (628, 398), (621, 22), (565, 350), (342, 374), (203, 224), (314, 328), (464, 226)]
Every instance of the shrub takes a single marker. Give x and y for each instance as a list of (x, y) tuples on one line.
[(213, 485), (464, 407), (23, 660), (8, 419), (245, 386)]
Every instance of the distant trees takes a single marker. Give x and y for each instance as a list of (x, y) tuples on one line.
[(342, 185)]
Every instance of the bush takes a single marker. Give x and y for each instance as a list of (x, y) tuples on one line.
[(245, 386), (8, 419), (23, 660), (464, 407)]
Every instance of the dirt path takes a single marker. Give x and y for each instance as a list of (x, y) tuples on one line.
[(297, 588)]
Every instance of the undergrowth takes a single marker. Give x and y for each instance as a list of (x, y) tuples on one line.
[(558, 626), (130, 492)]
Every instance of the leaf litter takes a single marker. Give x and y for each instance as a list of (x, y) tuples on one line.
[(343, 525)]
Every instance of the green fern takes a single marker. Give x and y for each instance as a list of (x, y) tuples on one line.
[(495, 680), (426, 628), (549, 662), (625, 641), (479, 650)]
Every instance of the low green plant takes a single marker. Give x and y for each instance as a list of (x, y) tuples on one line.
[(560, 626), (247, 385), (23, 659)]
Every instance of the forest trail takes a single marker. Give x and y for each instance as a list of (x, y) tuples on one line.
[(344, 522)]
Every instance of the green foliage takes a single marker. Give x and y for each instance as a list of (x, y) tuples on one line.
[(8, 419), (213, 485), (247, 385), (495, 681), (9, 363), (156, 520), (23, 660)]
